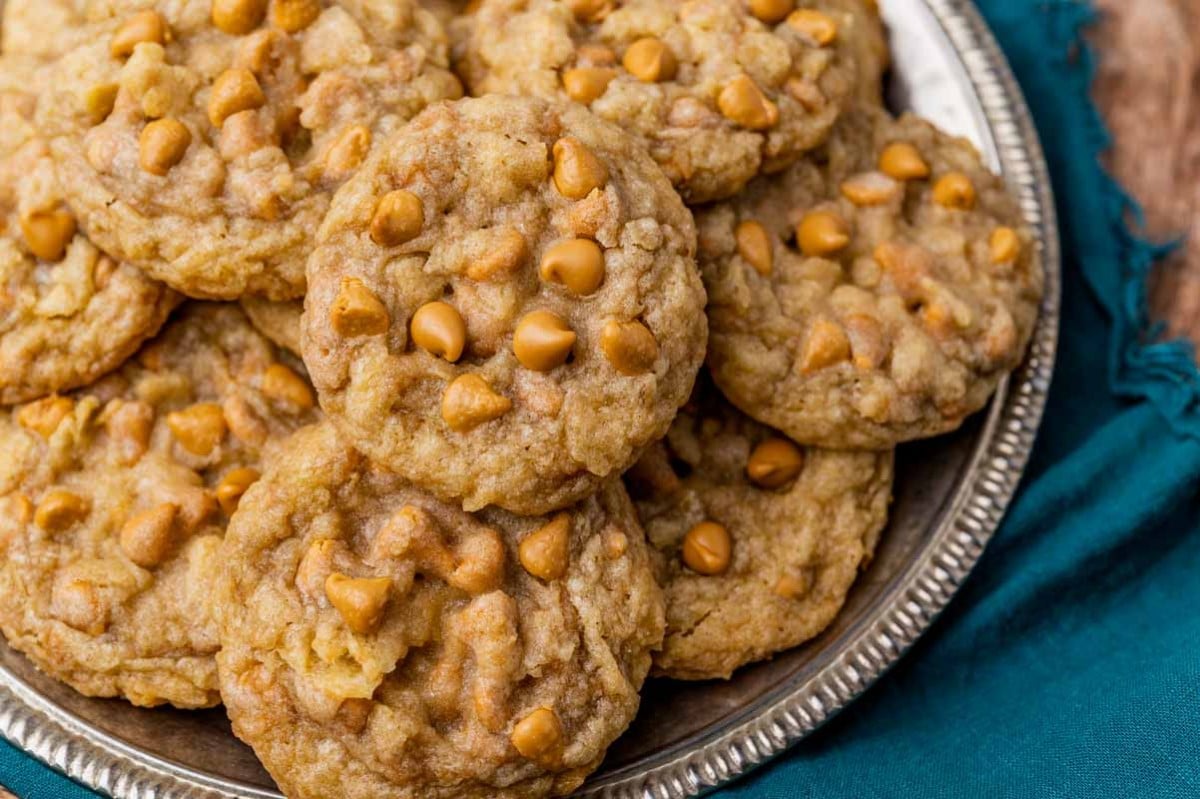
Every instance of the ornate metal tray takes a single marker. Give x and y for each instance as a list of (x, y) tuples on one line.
[(691, 737)]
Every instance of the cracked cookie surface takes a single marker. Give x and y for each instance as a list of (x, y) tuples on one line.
[(717, 90), (68, 312), (504, 305), (202, 140), (427, 652), (114, 499), (757, 540), (872, 294)]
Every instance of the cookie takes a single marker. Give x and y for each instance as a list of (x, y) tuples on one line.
[(757, 540), (503, 304), (278, 321), (446, 11), (421, 650), (873, 294), (42, 29), (717, 90), (114, 500), (202, 140), (68, 312)]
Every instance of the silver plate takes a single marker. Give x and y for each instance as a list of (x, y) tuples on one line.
[(689, 738)]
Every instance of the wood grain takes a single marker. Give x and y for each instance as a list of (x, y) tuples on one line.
[(1148, 88)]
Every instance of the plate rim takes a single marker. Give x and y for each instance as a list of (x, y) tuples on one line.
[(98, 761), (927, 585)]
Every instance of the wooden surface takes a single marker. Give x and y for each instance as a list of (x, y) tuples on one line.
[(1148, 88)]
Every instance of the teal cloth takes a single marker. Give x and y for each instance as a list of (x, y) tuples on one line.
[(1068, 665)]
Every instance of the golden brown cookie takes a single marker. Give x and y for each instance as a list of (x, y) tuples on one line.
[(202, 140), (445, 10), (503, 305), (872, 294), (114, 498), (278, 321), (42, 29), (422, 651), (68, 312), (757, 539), (717, 90)]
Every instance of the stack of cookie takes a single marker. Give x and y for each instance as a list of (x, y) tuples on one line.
[(328, 389)]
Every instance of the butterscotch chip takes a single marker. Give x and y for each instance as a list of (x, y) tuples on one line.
[(509, 650), (1004, 245), (47, 233), (743, 103), (148, 537), (542, 341), (505, 251), (545, 553), (361, 601), (495, 357), (754, 245), (577, 170), (294, 15), (587, 10), (825, 346), (650, 60), (578, 264), (771, 11), (870, 188), (98, 100), (438, 328), (398, 217), (233, 484), (539, 736), (629, 346), (955, 190), (774, 463), (822, 233), (347, 152), (59, 510), (470, 401), (45, 415), (68, 313), (198, 428), (718, 91), (356, 311), (162, 144), (238, 16), (110, 529), (725, 561), (235, 90), (202, 141), (903, 161), (585, 84), (816, 25), (900, 291), (288, 389), (707, 548)]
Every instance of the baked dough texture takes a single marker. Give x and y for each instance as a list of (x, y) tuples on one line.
[(448, 401), (853, 309), (732, 96), (796, 548), (278, 321), (208, 157), (113, 500), (381, 644), (68, 312)]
